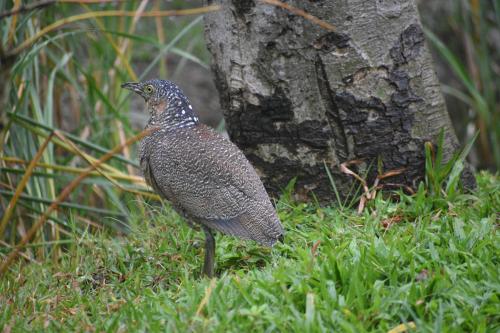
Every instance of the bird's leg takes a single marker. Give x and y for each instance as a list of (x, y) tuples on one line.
[(208, 267)]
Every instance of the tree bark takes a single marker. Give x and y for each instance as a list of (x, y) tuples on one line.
[(297, 98)]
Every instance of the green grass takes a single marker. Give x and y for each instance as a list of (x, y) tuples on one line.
[(336, 271)]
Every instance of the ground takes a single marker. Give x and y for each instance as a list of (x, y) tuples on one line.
[(399, 262)]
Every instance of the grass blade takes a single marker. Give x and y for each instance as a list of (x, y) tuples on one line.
[(107, 13), (100, 211), (20, 119), (64, 194), (20, 187)]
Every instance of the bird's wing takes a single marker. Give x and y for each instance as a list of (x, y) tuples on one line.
[(210, 184), (215, 184)]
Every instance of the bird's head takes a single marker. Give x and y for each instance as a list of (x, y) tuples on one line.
[(167, 104)]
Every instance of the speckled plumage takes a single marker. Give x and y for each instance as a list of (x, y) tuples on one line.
[(207, 178)]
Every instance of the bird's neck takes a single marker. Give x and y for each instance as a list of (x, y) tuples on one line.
[(177, 114)]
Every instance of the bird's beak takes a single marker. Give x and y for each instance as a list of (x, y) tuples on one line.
[(134, 86)]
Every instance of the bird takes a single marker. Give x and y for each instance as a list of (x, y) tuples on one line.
[(206, 178)]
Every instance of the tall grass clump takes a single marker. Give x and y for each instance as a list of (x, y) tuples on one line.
[(477, 23), (62, 110)]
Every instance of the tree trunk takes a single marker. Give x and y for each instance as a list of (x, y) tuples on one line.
[(298, 98)]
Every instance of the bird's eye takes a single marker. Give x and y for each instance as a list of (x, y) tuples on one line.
[(149, 89)]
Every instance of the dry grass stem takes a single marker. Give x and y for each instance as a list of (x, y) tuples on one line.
[(367, 194), (121, 176), (206, 298), (22, 184), (64, 194), (107, 13), (300, 12)]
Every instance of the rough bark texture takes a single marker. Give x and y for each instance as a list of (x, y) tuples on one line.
[(296, 97)]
